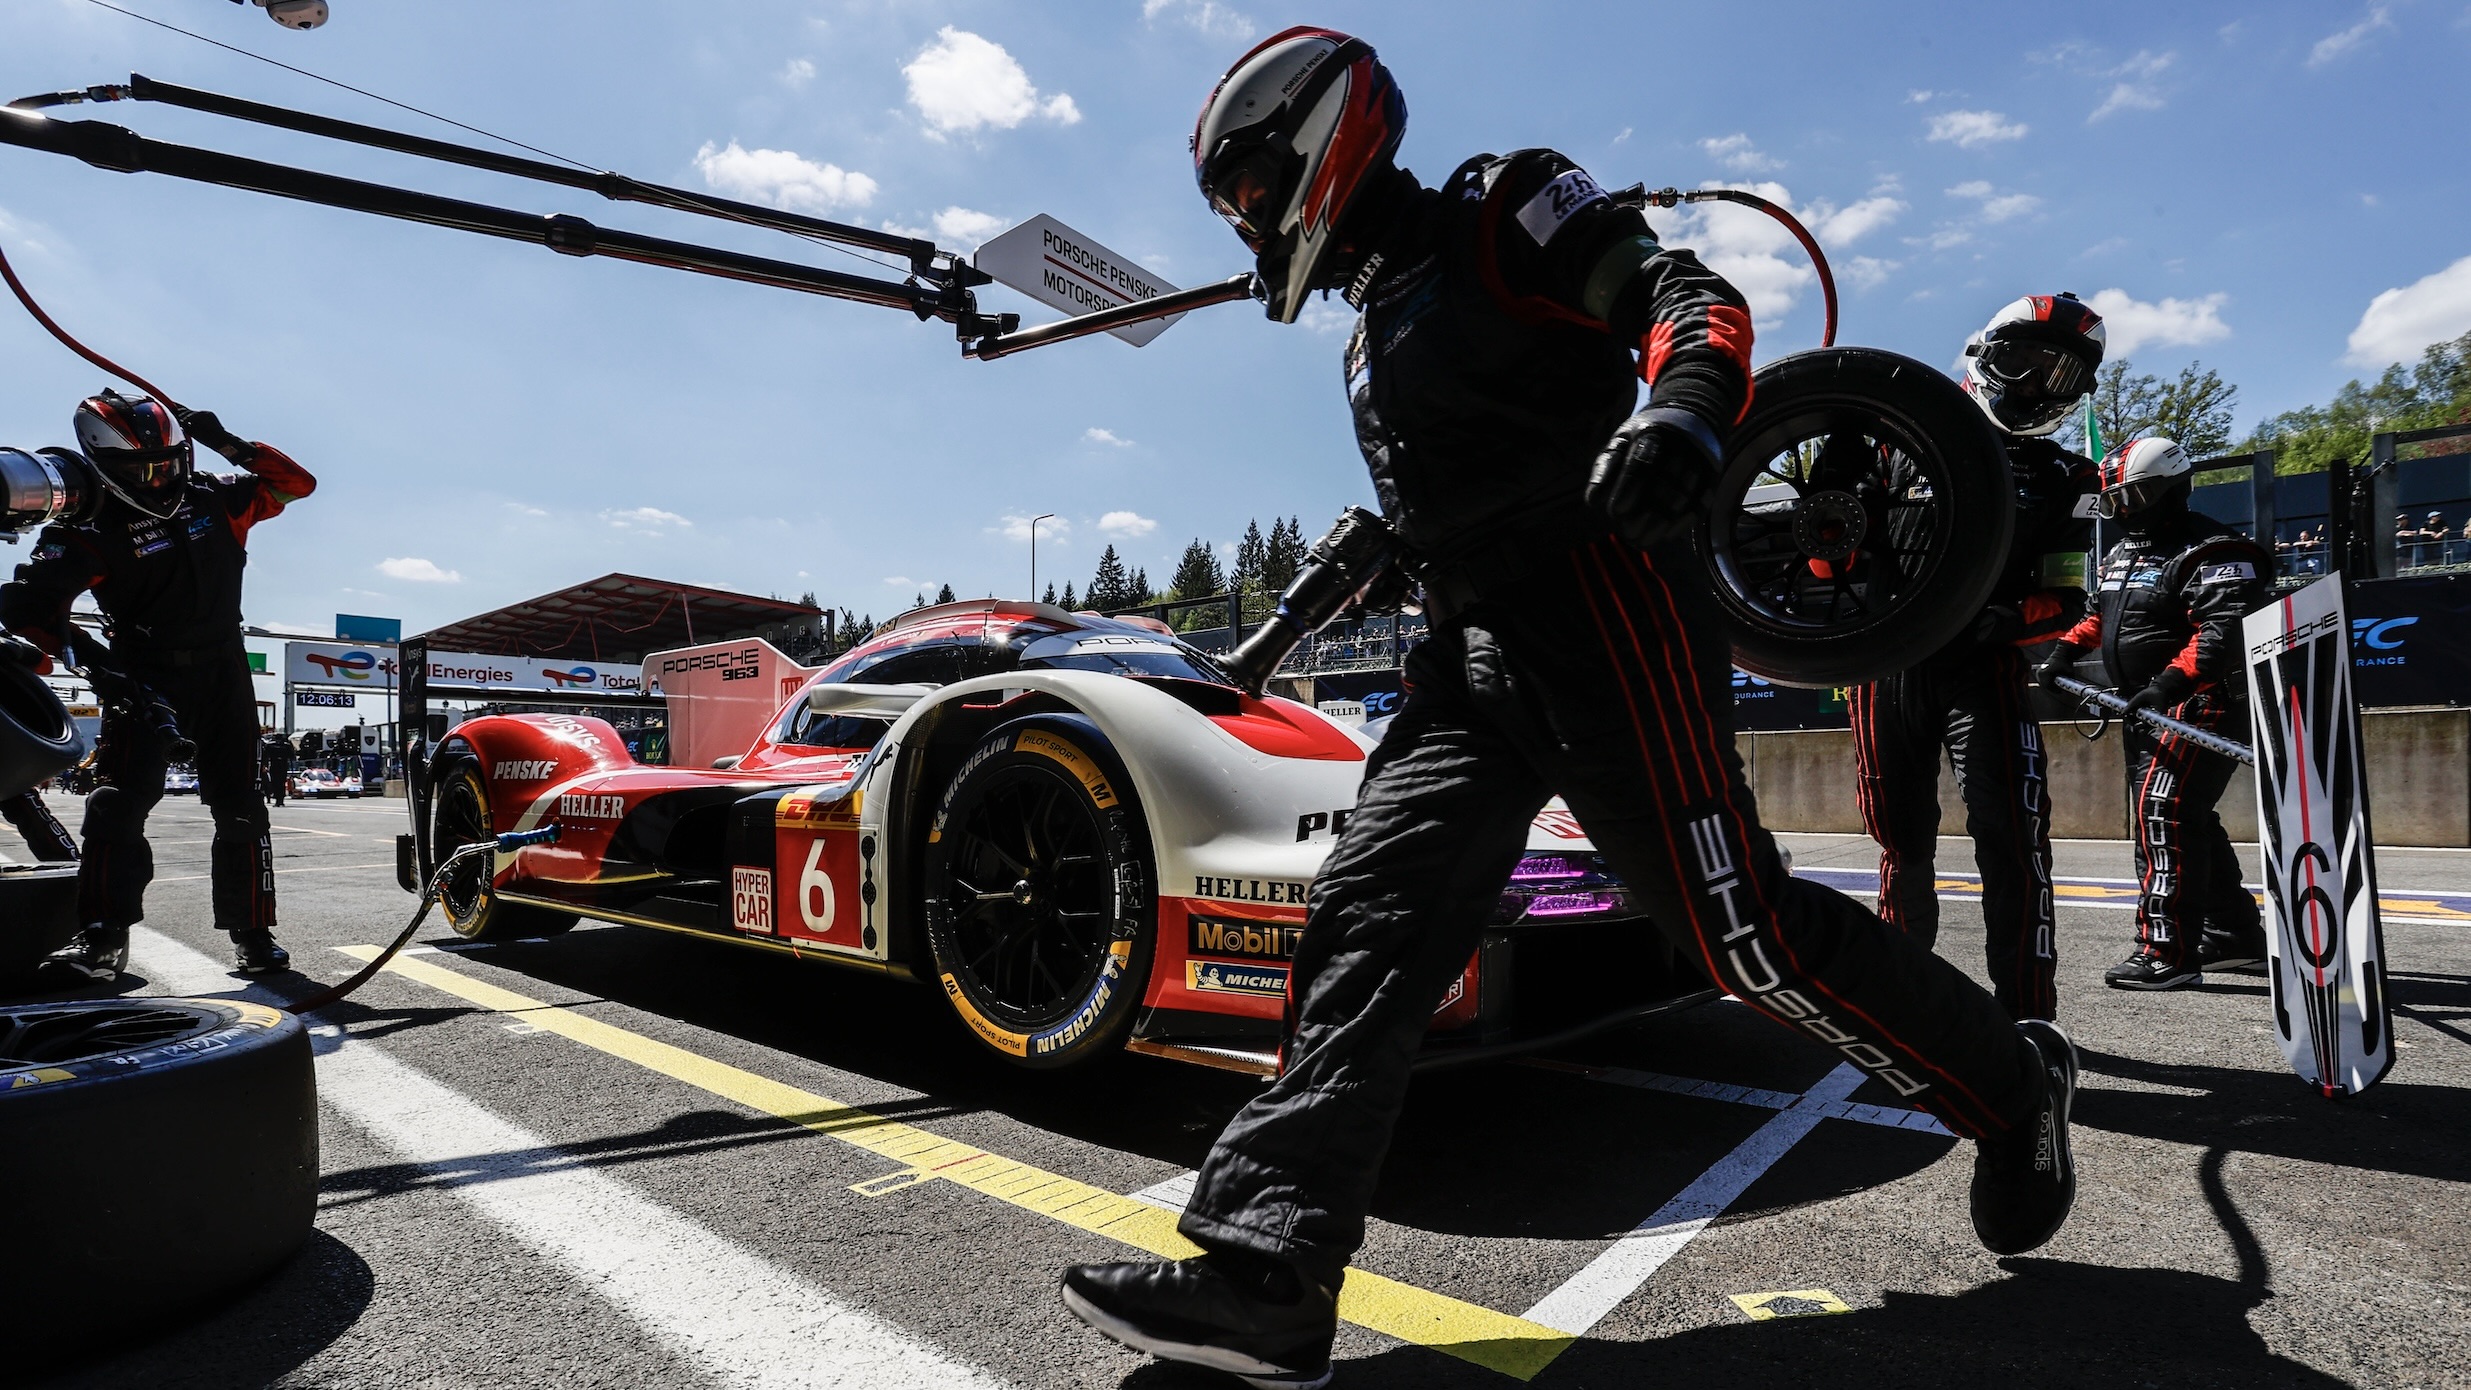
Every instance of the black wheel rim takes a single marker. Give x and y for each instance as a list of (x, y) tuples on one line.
[(1832, 520), (462, 819), (33, 1037), (1030, 888)]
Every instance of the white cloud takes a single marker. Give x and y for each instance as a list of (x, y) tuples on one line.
[(2333, 46), (782, 178), (521, 509), (964, 83), (2398, 323), (1919, 95), (966, 227), (1625, 135), (1126, 524), (1945, 237), (417, 570), (1869, 272), (901, 581), (1749, 248), (1996, 206), (1017, 528), (2132, 323), (1327, 315), (1845, 225), (1208, 16), (1968, 129), (2127, 96), (799, 72), (1095, 435), (1736, 152), (647, 519)]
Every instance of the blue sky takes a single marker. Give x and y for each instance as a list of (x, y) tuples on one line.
[(2240, 184)]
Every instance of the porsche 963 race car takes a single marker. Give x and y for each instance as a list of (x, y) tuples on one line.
[(1075, 827)]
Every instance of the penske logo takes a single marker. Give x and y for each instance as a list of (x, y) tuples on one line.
[(524, 769), (590, 806)]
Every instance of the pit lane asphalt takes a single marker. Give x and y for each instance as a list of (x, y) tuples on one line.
[(2232, 1230)]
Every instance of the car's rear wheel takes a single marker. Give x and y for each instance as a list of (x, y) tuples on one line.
[(1041, 911), (459, 816)]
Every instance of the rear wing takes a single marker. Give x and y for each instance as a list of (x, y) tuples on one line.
[(721, 695)]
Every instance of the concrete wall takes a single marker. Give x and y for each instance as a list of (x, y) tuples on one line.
[(2419, 781)]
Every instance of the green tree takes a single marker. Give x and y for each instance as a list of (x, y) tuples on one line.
[(2123, 405), (1282, 554), (2195, 409), (944, 594), (1197, 574), (1049, 600), (2437, 391), (1069, 603), (919, 599), (1137, 590), (1107, 587)]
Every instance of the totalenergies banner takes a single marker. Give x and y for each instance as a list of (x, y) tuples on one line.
[(355, 667)]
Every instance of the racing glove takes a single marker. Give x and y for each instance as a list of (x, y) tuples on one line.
[(1652, 479), (2061, 662), (1999, 626), (2168, 689), (207, 430)]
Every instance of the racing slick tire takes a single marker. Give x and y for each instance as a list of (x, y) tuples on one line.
[(1861, 521), (459, 815), (37, 737), (38, 915), (159, 1154), (1041, 903)]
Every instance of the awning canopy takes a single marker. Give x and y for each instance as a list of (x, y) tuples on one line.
[(619, 617)]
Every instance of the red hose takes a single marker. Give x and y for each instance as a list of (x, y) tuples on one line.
[(9, 273), (1818, 259)]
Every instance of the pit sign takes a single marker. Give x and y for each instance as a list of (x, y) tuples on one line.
[(1056, 265)]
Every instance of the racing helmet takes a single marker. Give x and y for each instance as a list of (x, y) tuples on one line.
[(2030, 365), (138, 447), (2142, 473), (1289, 137)]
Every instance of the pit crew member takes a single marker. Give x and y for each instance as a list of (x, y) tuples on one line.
[(2027, 368), (164, 559), (2167, 618), (1574, 650)]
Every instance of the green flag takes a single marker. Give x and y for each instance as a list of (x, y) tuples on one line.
[(2093, 433)]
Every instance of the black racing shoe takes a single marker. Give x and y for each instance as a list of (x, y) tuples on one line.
[(2146, 970), (255, 952), (1193, 1311), (94, 956), (2244, 953), (2024, 1182)]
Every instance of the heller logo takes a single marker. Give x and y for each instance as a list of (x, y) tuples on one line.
[(1249, 890), (587, 806), (1220, 936), (524, 769)]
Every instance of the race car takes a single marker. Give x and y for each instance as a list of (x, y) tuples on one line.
[(180, 779), (1074, 826), (318, 783)]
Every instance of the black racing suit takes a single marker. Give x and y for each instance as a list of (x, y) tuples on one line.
[(43, 832), (169, 588), (2168, 610), (1490, 363), (1969, 698)]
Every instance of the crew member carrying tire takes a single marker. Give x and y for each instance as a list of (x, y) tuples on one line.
[(2027, 368), (164, 559), (42, 831), (1575, 649), (2167, 620)]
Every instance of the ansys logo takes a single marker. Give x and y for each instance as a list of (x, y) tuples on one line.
[(352, 666)]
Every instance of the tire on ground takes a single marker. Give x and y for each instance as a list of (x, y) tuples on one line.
[(460, 814), (37, 737), (158, 1154), (1873, 398), (38, 915), (1041, 903)]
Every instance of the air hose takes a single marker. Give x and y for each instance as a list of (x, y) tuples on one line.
[(25, 297), (502, 844), (1669, 197)]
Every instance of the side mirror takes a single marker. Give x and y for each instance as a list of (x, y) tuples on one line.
[(725, 764)]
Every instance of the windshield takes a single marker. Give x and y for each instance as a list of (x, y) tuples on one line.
[(804, 728), (1121, 653)]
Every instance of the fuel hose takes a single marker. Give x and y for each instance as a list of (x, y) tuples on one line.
[(502, 844), (26, 297)]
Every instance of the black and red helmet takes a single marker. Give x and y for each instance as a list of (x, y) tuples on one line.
[(2030, 365), (138, 446), (1289, 137)]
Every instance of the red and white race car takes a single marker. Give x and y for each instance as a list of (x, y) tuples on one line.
[(1074, 825)]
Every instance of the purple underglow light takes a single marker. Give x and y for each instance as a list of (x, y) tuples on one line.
[(1572, 904), (1536, 867)]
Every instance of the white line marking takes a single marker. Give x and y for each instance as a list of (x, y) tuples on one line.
[(1169, 1194), (312, 869), (1884, 1116), (740, 1319), (1586, 1297)]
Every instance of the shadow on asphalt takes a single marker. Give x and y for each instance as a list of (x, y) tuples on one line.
[(256, 1338), (2397, 1127)]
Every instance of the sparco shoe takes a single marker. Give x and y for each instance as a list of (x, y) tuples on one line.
[(1203, 1312), (2244, 953), (2024, 1182), (2146, 970), (94, 956), (255, 952)]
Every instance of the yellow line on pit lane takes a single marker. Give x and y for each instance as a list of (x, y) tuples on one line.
[(1497, 1341)]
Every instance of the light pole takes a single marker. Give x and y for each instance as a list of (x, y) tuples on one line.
[(1042, 516)]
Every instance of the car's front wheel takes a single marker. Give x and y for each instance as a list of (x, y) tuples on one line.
[(1041, 907), (469, 896)]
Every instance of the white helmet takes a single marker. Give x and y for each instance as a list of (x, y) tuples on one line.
[(2033, 361), (2140, 473)]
